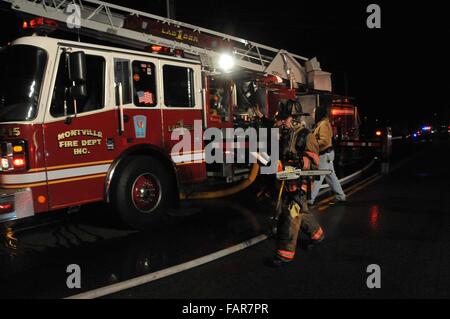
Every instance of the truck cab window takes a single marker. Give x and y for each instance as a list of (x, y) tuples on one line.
[(220, 99), (178, 86), (122, 75), (95, 82), (144, 84), (21, 74)]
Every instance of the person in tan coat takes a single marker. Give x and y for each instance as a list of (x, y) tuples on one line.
[(324, 135)]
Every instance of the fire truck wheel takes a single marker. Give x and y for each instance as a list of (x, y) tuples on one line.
[(143, 192)]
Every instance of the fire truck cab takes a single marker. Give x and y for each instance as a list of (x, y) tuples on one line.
[(66, 132)]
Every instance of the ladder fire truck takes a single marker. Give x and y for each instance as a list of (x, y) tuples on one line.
[(83, 122)]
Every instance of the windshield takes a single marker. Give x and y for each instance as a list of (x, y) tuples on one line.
[(21, 72)]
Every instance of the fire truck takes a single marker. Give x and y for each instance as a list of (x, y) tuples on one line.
[(90, 121), (345, 119)]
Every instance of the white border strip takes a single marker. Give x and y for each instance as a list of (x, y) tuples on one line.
[(53, 175), (77, 172), (23, 178), (138, 281)]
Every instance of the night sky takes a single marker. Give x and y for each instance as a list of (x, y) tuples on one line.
[(398, 74)]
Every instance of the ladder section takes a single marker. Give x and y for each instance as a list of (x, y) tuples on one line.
[(125, 26)]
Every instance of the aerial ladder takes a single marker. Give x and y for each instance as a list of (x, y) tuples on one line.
[(131, 28)]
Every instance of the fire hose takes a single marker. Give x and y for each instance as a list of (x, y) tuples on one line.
[(225, 192)]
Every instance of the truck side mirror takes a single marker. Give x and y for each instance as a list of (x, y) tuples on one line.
[(79, 91), (77, 75), (77, 67)]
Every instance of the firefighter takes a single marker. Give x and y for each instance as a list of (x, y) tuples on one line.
[(298, 148), (324, 135)]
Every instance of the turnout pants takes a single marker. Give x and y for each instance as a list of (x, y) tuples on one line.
[(295, 216)]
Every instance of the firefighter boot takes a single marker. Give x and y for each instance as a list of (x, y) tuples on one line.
[(282, 258), (277, 262), (316, 239)]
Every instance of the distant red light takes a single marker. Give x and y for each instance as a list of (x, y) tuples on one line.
[(378, 133), (346, 111)]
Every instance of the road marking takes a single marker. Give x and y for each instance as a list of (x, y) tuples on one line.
[(324, 204), (138, 281), (357, 189)]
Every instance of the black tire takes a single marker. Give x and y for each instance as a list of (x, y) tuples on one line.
[(143, 191)]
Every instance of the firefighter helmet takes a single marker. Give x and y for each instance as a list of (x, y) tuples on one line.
[(290, 108)]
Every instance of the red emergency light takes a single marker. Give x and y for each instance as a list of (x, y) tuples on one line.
[(19, 163), (39, 22), (339, 111), (272, 79), (6, 208), (159, 49)]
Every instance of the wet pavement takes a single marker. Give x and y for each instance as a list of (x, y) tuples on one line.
[(34, 261), (400, 222)]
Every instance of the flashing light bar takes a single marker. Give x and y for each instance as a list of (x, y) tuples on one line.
[(166, 50), (39, 22)]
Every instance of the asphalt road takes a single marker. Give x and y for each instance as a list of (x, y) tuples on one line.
[(399, 222)]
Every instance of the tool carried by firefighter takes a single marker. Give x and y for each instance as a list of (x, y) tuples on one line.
[(291, 173)]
